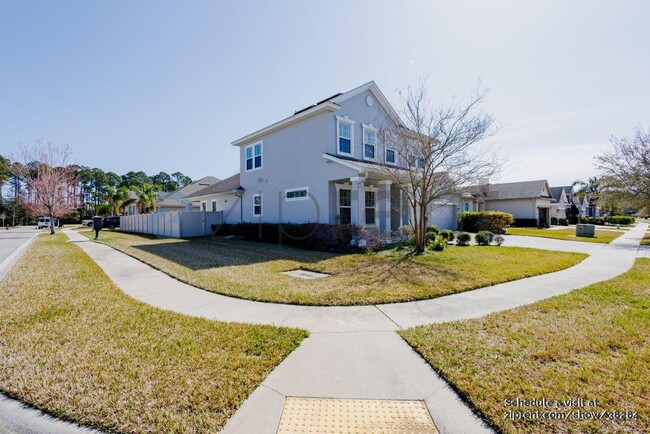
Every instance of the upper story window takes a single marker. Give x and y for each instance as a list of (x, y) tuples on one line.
[(254, 156), (390, 156), (369, 142), (257, 205), (296, 194), (345, 134)]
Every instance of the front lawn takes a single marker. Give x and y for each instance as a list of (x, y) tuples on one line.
[(602, 235), (252, 270), (593, 343), (75, 346), (646, 239)]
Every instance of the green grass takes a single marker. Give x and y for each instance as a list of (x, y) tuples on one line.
[(252, 270), (73, 345), (646, 239), (602, 236), (593, 343)]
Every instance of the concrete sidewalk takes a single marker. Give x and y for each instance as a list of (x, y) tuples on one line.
[(353, 352)]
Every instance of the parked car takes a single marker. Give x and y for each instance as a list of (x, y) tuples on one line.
[(87, 222), (111, 222), (44, 222)]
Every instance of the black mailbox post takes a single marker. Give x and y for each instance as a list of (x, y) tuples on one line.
[(97, 225)]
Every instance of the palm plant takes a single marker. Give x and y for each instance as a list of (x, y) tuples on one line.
[(147, 196), (117, 197)]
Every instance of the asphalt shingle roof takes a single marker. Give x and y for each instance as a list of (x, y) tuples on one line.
[(226, 186), (173, 199), (512, 190)]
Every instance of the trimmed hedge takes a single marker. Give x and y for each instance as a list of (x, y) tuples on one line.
[(448, 234), (525, 223), (554, 220), (563, 222), (463, 239), (493, 221), (310, 236), (484, 238), (619, 220)]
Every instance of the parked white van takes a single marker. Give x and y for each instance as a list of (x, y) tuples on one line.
[(43, 222)]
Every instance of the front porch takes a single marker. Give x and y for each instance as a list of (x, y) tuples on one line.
[(371, 202)]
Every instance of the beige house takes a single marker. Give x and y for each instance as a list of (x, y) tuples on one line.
[(529, 200)]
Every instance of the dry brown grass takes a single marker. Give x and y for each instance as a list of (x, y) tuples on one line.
[(593, 343), (646, 239), (602, 235), (252, 270), (72, 344)]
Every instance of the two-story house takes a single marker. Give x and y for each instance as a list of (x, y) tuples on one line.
[(325, 163)]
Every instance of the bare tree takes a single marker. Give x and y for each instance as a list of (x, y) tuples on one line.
[(626, 169), (435, 154), (48, 176)]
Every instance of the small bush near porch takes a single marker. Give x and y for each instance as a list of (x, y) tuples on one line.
[(253, 270)]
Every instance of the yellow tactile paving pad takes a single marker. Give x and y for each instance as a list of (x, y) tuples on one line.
[(355, 416)]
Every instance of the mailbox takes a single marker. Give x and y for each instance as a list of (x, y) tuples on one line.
[(585, 230), (97, 225)]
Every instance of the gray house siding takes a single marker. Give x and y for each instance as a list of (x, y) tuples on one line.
[(292, 157)]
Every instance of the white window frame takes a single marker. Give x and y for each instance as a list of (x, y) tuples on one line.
[(252, 146), (261, 205), (366, 128), (350, 122), (295, 199), (376, 207), (392, 163), (340, 187), (213, 205)]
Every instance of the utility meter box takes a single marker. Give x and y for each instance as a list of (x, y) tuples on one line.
[(585, 230)]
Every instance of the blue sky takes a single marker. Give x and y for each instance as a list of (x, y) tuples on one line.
[(158, 85)]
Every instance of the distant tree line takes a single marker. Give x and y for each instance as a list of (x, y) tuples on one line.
[(92, 191)]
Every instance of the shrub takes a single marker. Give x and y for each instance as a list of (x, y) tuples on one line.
[(484, 238), (563, 222), (432, 233), (311, 236), (438, 245), (525, 223), (493, 221), (619, 220), (498, 240), (447, 234), (554, 220), (463, 239)]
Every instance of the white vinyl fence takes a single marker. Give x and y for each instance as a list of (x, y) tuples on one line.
[(175, 224)]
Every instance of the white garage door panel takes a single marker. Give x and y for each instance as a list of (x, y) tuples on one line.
[(444, 217)]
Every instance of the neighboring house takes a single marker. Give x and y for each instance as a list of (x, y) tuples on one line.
[(177, 200), (561, 203), (220, 196), (529, 200), (322, 164)]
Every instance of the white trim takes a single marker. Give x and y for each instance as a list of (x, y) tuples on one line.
[(214, 205), (327, 106), (340, 187), (373, 190), (296, 199), (252, 146), (204, 205), (261, 205), (363, 142), (344, 120), (391, 163), (385, 182), (345, 163), (374, 89)]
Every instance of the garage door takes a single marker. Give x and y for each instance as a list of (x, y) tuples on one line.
[(444, 217)]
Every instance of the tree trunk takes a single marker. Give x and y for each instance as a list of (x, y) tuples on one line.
[(52, 231)]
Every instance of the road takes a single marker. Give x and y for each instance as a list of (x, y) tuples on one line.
[(12, 242)]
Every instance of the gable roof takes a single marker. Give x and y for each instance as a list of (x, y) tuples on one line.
[(228, 185), (331, 104), (174, 198), (513, 190)]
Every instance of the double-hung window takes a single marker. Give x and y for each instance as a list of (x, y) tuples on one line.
[(390, 156), (369, 142), (345, 206), (257, 205), (254, 156), (344, 139), (214, 205), (370, 207)]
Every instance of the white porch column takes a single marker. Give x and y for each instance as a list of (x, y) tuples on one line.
[(406, 212), (384, 205), (358, 210)]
